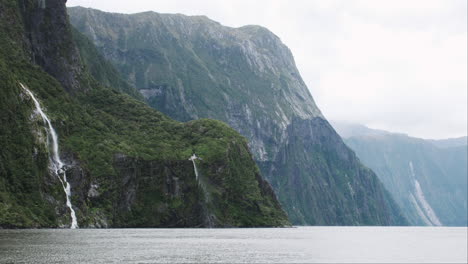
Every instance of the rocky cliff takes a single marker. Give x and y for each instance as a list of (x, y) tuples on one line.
[(193, 67), (50, 44), (127, 164)]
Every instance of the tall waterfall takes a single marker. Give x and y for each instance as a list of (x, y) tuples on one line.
[(56, 163), (193, 158)]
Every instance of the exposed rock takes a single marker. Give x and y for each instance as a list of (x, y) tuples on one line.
[(93, 191), (50, 41), (248, 78)]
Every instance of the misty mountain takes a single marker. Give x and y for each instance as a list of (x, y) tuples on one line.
[(428, 182), (450, 142)]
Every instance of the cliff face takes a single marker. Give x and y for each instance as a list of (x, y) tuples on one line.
[(428, 182), (127, 164), (49, 39), (327, 176), (193, 67)]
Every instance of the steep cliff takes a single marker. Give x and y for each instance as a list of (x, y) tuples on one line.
[(49, 40), (127, 164), (428, 182), (192, 67)]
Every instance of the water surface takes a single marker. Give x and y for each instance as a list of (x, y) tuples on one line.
[(258, 245)]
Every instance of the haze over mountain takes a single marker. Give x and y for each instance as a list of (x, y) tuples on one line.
[(450, 142), (427, 178), (191, 67)]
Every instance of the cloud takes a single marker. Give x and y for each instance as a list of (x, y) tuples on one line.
[(392, 64), (408, 79)]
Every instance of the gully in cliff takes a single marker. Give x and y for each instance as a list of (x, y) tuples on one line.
[(56, 164)]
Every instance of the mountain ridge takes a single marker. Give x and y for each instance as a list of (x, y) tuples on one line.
[(194, 70)]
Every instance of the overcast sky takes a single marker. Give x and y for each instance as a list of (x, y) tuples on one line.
[(398, 65)]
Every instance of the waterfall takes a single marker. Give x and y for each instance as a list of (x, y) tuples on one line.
[(203, 185), (423, 206), (193, 158), (57, 165)]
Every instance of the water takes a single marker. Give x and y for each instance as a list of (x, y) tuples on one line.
[(256, 245), (56, 163), (193, 158), (431, 215), (209, 217), (419, 210), (428, 215)]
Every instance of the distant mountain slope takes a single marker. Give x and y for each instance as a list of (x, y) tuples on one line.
[(347, 130), (429, 183), (191, 67), (450, 142)]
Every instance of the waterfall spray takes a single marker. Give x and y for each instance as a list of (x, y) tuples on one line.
[(56, 164)]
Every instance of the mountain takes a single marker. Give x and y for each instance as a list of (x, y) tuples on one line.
[(191, 67), (346, 130), (428, 182), (75, 152), (450, 142)]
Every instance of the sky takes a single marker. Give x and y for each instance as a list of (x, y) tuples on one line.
[(397, 65)]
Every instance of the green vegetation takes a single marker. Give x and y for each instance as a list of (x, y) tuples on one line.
[(191, 67), (136, 156)]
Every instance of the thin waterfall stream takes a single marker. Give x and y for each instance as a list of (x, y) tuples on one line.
[(203, 184), (56, 163), (193, 158)]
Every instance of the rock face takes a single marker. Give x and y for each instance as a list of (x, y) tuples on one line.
[(142, 181), (327, 176), (428, 182), (127, 163), (49, 39), (193, 67)]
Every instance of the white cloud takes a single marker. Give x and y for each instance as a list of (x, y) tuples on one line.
[(399, 65)]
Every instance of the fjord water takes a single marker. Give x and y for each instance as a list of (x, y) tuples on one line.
[(56, 164), (255, 245)]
